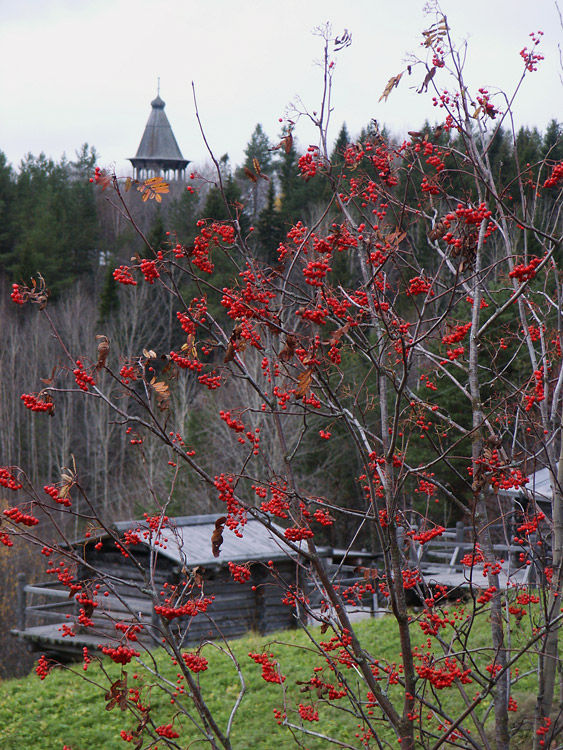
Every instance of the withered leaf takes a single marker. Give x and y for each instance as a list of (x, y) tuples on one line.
[(337, 335), (429, 76), (103, 351), (217, 536), (104, 179), (250, 174), (289, 349), (154, 187), (128, 183), (48, 381), (162, 393), (232, 346), (304, 382), (117, 694), (392, 83)]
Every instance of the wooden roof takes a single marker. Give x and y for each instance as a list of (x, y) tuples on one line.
[(158, 144), (189, 541)]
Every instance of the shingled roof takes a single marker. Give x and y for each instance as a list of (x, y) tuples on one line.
[(189, 538), (158, 151)]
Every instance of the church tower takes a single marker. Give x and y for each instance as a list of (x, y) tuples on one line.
[(158, 153)]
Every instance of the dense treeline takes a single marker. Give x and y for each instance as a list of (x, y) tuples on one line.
[(53, 223)]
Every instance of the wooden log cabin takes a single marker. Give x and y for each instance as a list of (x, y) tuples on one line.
[(47, 615)]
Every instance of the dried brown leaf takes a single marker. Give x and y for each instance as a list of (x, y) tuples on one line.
[(103, 351), (392, 83), (304, 382), (289, 349), (217, 536)]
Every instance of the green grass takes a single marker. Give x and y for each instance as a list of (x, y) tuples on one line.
[(66, 709)]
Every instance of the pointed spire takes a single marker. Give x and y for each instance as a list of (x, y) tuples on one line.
[(158, 151)]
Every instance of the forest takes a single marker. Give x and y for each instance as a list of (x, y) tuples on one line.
[(360, 341)]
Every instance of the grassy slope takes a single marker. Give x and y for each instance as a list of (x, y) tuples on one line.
[(65, 709)]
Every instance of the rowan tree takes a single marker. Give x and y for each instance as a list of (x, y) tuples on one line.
[(434, 355)]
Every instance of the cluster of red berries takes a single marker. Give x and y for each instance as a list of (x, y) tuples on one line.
[(120, 655), (308, 163), (129, 630), (36, 404), (425, 536), (555, 179), (323, 517), (189, 609), (236, 514), (531, 58), (195, 662), (16, 295), (83, 380), (457, 335), (54, 493), (43, 667), (308, 713), (240, 573), (210, 380), (525, 271), (123, 276), (168, 731), (8, 480), (16, 516), (443, 676), (186, 363), (278, 504), (487, 595), (419, 285), (128, 373), (270, 672), (5, 539), (297, 533), (149, 270)]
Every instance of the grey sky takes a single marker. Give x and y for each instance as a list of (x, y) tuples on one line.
[(75, 72)]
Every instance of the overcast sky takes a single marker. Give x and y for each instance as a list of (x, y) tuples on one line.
[(76, 71)]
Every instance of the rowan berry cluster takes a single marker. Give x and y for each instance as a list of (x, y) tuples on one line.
[(419, 285), (270, 671), (8, 480), (210, 380), (487, 595), (129, 372), (236, 514), (525, 271), (297, 533), (168, 731), (83, 380), (129, 629), (43, 667), (149, 270), (16, 516), (308, 713), (17, 296), (120, 654), (278, 504), (555, 178), (457, 335), (195, 662), (123, 276), (191, 608), (34, 403), (422, 537), (240, 573), (443, 676), (308, 163), (531, 58), (53, 492)]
